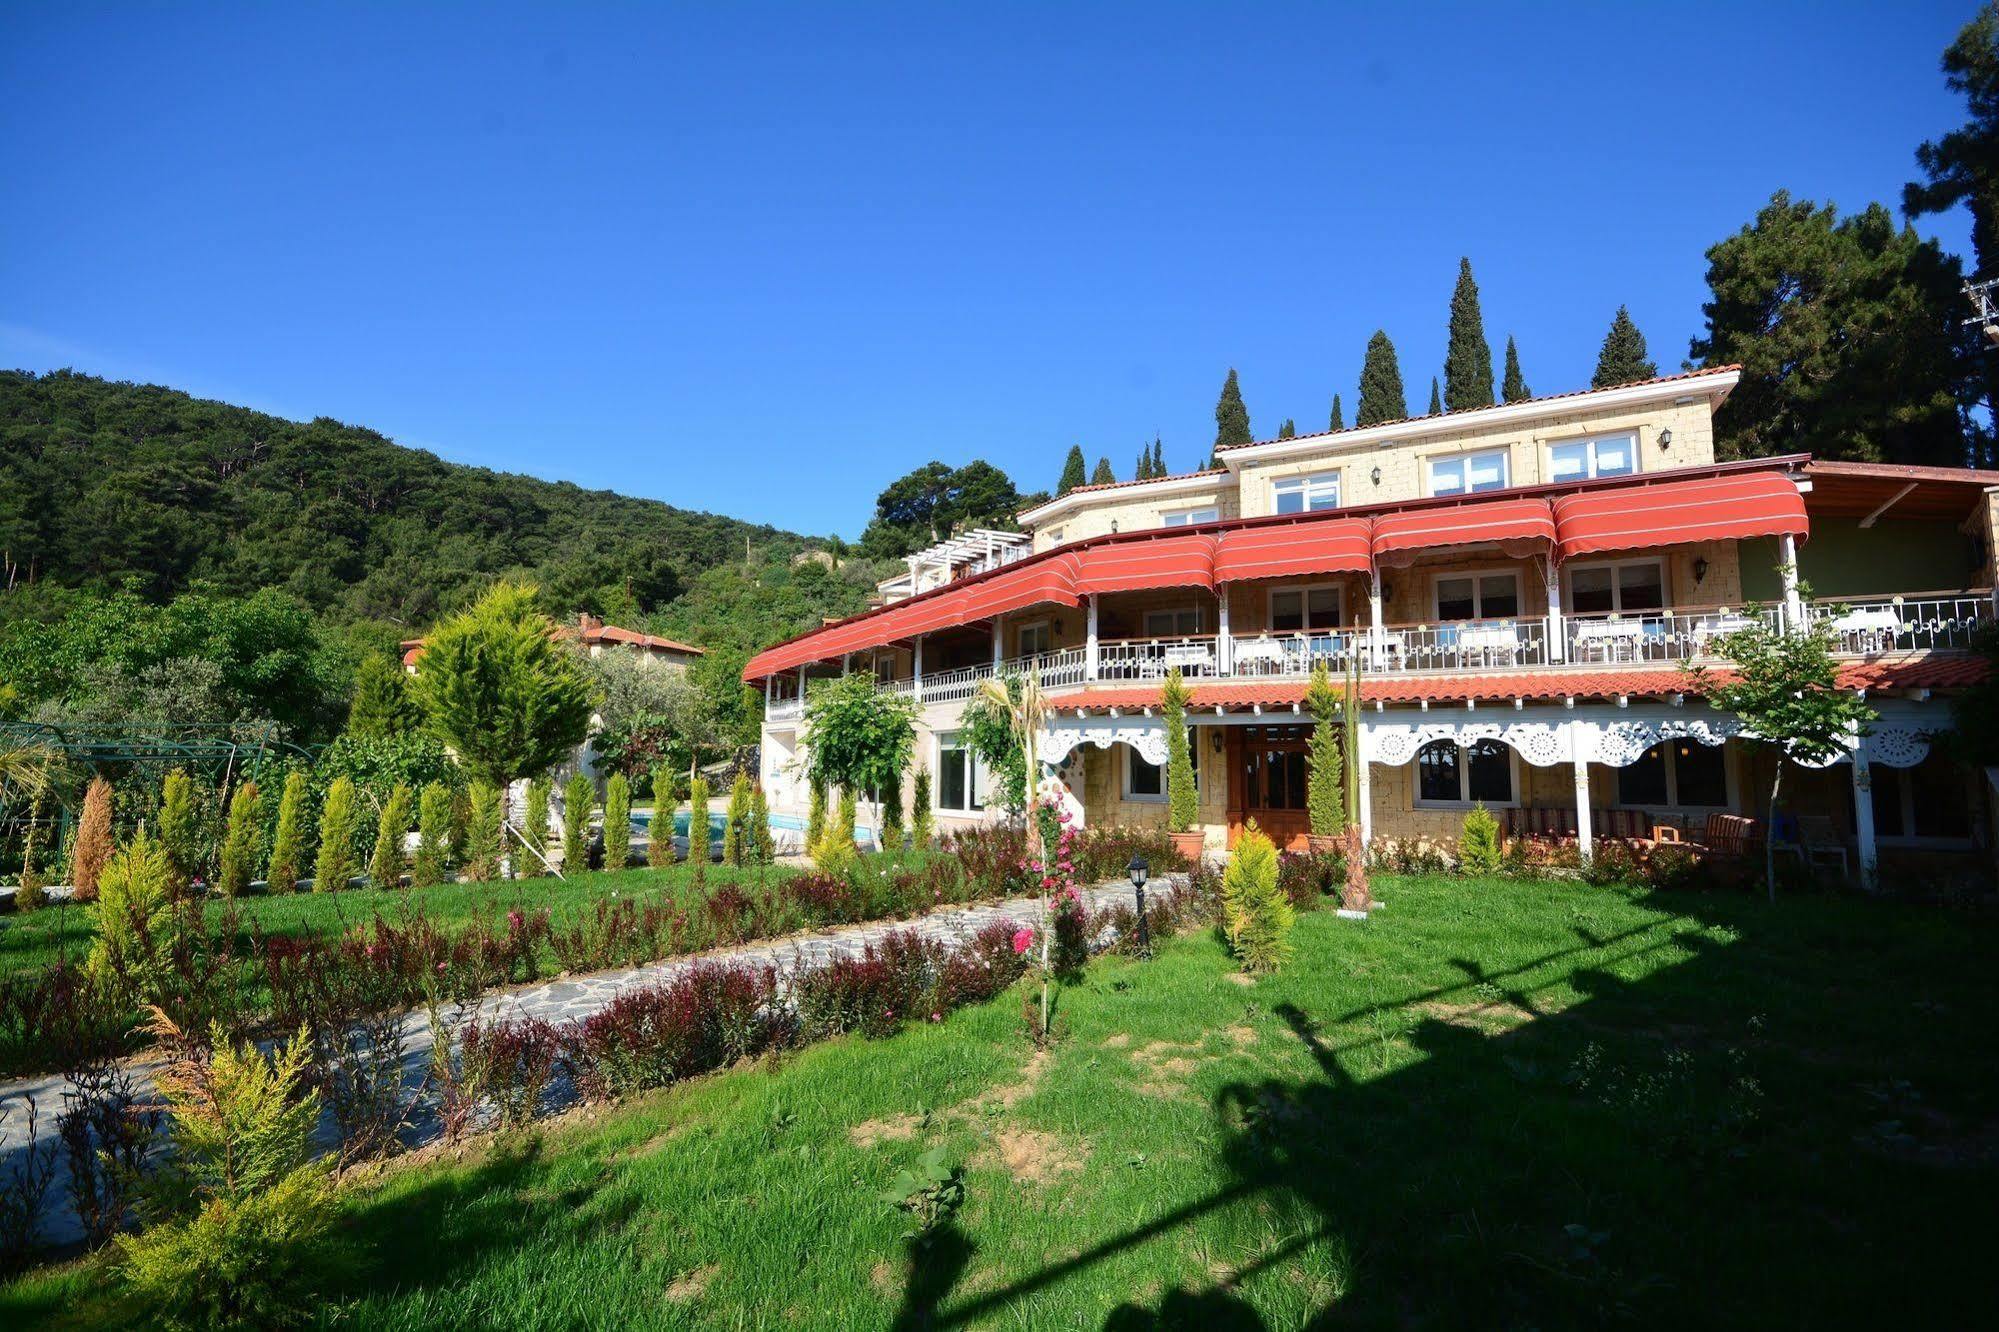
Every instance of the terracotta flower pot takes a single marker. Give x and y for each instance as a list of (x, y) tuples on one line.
[(1188, 845), (1324, 844)]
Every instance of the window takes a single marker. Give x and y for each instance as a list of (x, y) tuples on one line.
[(884, 667), (1612, 455), (1186, 517), (1676, 773), (1307, 494), (1481, 596), (1297, 609), (1035, 637), (1468, 473), (961, 778), (1054, 536), (1925, 803), (1450, 774), (1622, 585), (1173, 623), (1147, 781)]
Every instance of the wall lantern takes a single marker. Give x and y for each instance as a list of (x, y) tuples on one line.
[(1700, 569), (1217, 740), (1375, 476), (1665, 438)]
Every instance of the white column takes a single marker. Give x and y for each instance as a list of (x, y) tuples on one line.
[(1585, 838), (1366, 784), (767, 680), (1224, 645), (1374, 616), (916, 684), (1090, 639), (1863, 815), (1557, 646), (999, 642), (1787, 560), (801, 686)]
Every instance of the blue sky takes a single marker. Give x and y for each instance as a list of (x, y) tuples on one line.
[(762, 259)]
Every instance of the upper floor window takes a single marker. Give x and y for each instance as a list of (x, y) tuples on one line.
[(1468, 473), (1580, 459), (1622, 586), (1186, 517), (1173, 623), (1296, 609), (1307, 494), (1035, 637), (1479, 596)]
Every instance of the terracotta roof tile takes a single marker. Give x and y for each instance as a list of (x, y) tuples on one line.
[(1142, 481)]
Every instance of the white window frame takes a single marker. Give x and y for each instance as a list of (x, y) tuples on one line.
[(1673, 803), (1478, 576), (1054, 535), (1588, 444), (1617, 589), (1131, 756), (975, 775), (880, 660), (1465, 460), (1021, 630), (1206, 513), (1464, 800), (1309, 489), (1305, 591), (1145, 621)]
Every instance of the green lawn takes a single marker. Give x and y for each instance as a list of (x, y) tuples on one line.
[(1493, 1105)]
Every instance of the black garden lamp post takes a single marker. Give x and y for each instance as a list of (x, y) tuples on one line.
[(1138, 869)]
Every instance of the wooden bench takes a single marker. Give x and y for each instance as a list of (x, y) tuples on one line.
[(1625, 825), (1731, 835)]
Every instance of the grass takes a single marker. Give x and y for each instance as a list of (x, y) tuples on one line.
[(1494, 1104)]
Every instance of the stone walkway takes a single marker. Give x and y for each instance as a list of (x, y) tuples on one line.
[(558, 1001)]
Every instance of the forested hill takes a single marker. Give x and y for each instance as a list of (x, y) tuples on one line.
[(103, 481)]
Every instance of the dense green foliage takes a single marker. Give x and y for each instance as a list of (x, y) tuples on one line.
[(1287, 429), (1436, 399), (382, 704), (1325, 782), (181, 833), (1256, 915), (579, 801), (288, 842), (1514, 387), (388, 863), (1623, 358), (858, 736), (1468, 358), (242, 840), (1478, 842), (1072, 471), (1338, 419), (1183, 803), (433, 836), (1381, 395), (988, 729), (935, 501), (1103, 475), (1231, 415), (339, 824), (617, 822)]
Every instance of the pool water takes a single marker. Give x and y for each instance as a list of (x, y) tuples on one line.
[(718, 822)]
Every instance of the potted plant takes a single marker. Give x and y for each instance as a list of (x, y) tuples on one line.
[(1183, 806), (1325, 782)]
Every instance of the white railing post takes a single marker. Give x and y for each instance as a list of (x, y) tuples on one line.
[(1090, 639), (1557, 649), (916, 681), (1374, 634), (1224, 645), (1787, 569)]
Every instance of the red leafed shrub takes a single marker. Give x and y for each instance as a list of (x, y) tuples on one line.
[(728, 910), (707, 1016), (872, 993), (826, 899), (513, 1061), (981, 968)]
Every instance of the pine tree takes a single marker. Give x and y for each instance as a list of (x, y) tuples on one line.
[(1514, 389), (338, 821), (1072, 471), (1325, 782), (242, 839), (180, 831), (617, 822), (1256, 915), (736, 816), (1158, 457), (288, 843), (1468, 361), (534, 826), (1623, 359), (386, 865), (1103, 476), (1289, 430), (382, 704), (579, 801), (433, 834), (93, 840), (1436, 403), (1478, 843), (132, 895), (1231, 416), (1381, 395), (659, 829), (1339, 417)]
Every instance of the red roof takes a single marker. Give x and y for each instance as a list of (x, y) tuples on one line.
[(1141, 481), (1676, 513), (611, 633)]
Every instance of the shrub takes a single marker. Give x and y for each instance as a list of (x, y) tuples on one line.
[(1256, 917), (578, 801), (461, 825), (132, 895), (698, 850), (1325, 782), (1610, 862), (337, 821), (1305, 879), (762, 847), (433, 836), (1478, 843), (386, 866), (890, 817), (707, 1016), (288, 844), (28, 895), (242, 839), (248, 1210), (534, 827), (514, 1061), (482, 834), (93, 840), (1183, 805), (871, 994), (815, 818), (617, 822), (738, 815), (922, 826), (179, 829), (659, 829)]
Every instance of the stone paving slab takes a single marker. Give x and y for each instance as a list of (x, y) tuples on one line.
[(563, 999)]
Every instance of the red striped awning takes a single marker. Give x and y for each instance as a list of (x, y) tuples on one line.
[(1520, 527), (1050, 581), (1319, 545), (1677, 513), (1130, 566)]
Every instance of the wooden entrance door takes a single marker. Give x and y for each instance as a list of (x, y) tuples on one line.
[(1267, 782)]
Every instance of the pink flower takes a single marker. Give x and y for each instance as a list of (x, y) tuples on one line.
[(513, 920), (440, 968), (1021, 939), (936, 1017)]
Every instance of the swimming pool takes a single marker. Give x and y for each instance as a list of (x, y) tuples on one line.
[(718, 822)]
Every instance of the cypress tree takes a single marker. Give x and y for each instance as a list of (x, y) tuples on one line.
[(579, 799), (1158, 457), (338, 820), (698, 848), (241, 840), (1381, 395), (1339, 419), (1468, 362), (288, 845), (482, 834), (1072, 471), (382, 704), (920, 821), (534, 825), (1144, 471), (659, 831), (815, 818), (1515, 388), (1231, 416), (734, 819), (433, 836), (385, 867), (1436, 403), (180, 831), (1289, 430), (1103, 476), (762, 846), (617, 822), (1325, 780), (1623, 359)]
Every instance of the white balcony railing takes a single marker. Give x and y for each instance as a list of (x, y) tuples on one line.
[(1866, 626), (1657, 636)]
